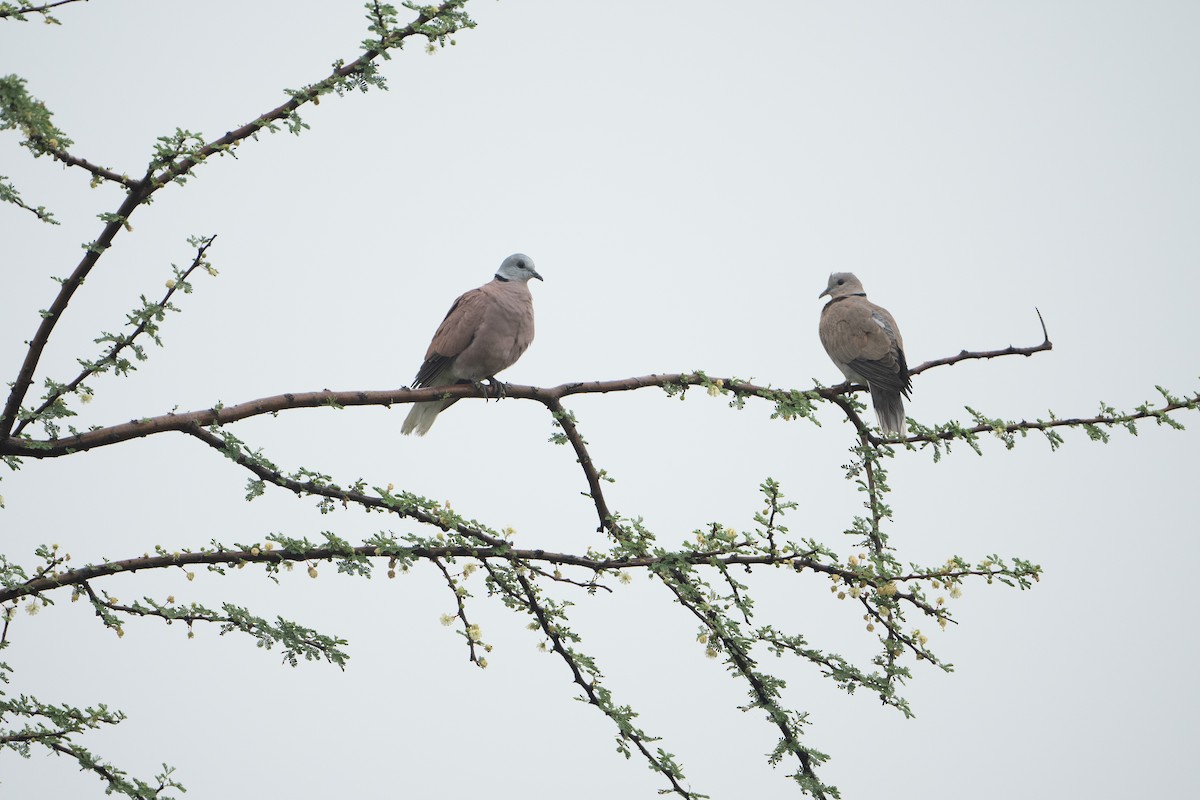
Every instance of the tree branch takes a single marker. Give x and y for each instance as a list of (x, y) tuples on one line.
[(334, 492), (595, 695), (140, 191), (51, 316), (1007, 351), (110, 357), (98, 172), (18, 12), (566, 420)]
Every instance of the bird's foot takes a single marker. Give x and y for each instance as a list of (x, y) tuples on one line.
[(491, 385), (500, 386)]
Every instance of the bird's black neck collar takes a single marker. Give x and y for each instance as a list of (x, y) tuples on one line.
[(847, 296), (502, 279)]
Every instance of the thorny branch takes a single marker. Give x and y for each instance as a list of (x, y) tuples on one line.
[(1007, 351)]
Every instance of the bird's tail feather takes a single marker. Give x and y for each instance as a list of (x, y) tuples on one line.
[(420, 418), (889, 408)]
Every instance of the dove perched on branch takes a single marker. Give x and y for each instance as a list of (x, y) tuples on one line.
[(486, 331), (865, 343)]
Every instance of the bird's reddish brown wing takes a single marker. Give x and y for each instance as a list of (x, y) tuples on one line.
[(453, 335)]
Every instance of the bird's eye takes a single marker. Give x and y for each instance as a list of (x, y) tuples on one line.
[(841, 281), (521, 264)]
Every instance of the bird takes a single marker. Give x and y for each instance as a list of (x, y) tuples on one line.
[(864, 342), (485, 331)]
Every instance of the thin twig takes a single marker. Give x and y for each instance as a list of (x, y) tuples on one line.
[(111, 356), (551, 632), (52, 315), (462, 609), (872, 494), (745, 666), (595, 486), (42, 9), (345, 495), (1007, 351), (59, 154)]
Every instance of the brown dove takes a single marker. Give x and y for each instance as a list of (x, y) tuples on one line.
[(486, 331), (865, 343)]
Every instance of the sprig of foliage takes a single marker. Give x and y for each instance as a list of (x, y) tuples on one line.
[(9, 194), (145, 320), (21, 111), (26, 723)]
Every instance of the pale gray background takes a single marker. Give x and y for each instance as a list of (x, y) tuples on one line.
[(686, 175)]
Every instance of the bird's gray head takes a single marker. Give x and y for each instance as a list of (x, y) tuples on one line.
[(842, 284), (518, 267)]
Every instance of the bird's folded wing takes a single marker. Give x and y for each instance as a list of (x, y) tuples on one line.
[(453, 335), (861, 335)]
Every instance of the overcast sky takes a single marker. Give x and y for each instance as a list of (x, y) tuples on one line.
[(686, 176)]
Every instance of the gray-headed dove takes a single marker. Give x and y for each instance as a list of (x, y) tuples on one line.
[(486, 331), (865, 343)]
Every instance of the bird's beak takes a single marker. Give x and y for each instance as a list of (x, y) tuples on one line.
[(535, 274), (822, 294)]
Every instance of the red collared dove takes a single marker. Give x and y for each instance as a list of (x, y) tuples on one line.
[(486, 331), (865, 343)]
